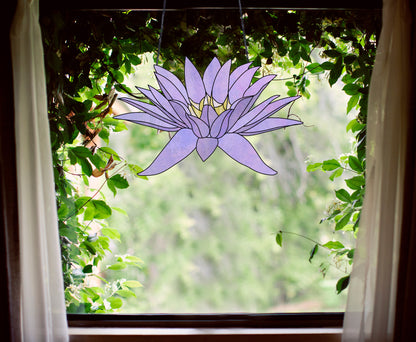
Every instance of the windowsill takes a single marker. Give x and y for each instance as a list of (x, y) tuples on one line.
[(204, 334), (292, 327)]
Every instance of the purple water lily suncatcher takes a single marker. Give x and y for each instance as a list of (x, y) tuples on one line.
[(216, 110)]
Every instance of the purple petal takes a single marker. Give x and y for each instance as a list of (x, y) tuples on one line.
[(150, 109), (210, 73), (147, 120), (149, 95), (237, 73), (208, 115), (239, 110), (193, 81), (273, 108), (259, 85), (178, 148), (266, 112), (172, 78), (220, 125), (238, 148), (270, 124), (165, 105), (170, 89), (205, 147), (220, 87), (182, 111), (199, 127), (245, 119), (241, 85)]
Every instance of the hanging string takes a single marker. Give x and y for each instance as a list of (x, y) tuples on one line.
[(161, 31), (242, 27)]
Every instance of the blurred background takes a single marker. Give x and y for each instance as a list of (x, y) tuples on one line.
[(205, 231)]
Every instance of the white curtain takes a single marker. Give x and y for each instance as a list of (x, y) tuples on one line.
[(43, 313), (371, 301)]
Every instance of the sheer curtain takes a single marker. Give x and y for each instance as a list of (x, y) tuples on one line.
[(43, 313), (372, 294)]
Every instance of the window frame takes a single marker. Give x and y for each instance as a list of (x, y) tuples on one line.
[(309, 323)]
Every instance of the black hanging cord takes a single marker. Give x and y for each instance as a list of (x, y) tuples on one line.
[(161, 31), (242, 27)]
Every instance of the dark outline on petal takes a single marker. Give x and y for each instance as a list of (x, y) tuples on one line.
[(172, 159), (240, 153), (146, 119), (269, 125)]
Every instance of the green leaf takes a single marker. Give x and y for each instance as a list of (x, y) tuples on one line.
[(63, 211), (349, 59), (313, 167), (117, 266), (337, 173), (334, 245), (119, 182), (89, 212), (315, 68), (343, 221), (69, 233), (72, 157), (279, 238), (97, 161), (332, 53), (118, 75), (104, 134), (331, 164), (111, 233), (336, 71), (313, 251), (135, 60), (87, 269), (121, 211), (342, 284), (126, 293), (85, 166), (351, 89), (327, 65), (355, 164), (81, 152), (355, 183), (110, 152), (354, 126), (135, 169), (292, 92), (343, 195), (80, 202), (132, 283), (112, 187), (115, 303), (133, 258), (102, 210), (89, 247)]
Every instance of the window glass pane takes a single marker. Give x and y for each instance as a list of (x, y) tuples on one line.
[(206, 230), (204, 236)]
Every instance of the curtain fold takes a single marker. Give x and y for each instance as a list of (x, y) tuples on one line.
[(43, 311), (372, 294)]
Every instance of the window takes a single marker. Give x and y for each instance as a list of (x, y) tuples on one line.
[(114, 56)]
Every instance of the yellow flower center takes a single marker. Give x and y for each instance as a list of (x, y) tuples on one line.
[(196, 108)]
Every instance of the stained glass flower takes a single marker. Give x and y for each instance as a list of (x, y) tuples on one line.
[(216, 110)]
